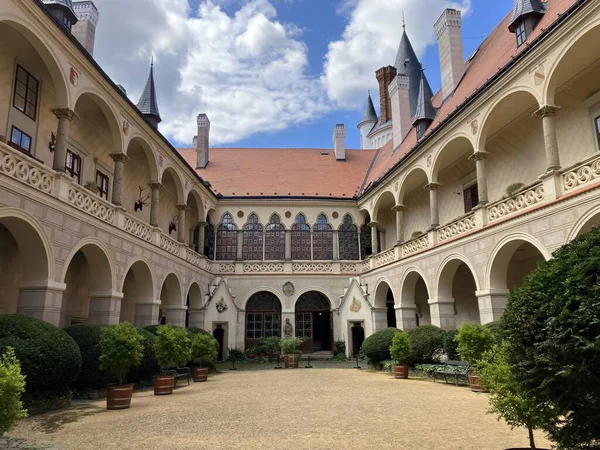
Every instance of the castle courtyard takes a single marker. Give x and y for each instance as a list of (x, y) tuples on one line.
[(285, 409)]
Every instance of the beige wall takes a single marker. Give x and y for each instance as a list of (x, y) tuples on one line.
[(450, 193), (10, 272), (76, 298), (417, 214)]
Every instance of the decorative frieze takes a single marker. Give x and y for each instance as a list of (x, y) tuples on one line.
[(194, 258), (385, 258), (348, 267), (227, 268), (518, 202), (137, 228), (457, 228), (170, 245), (306, 267), (263, 268), (416, 245), (18, 166), (91, 204), (581, 175)]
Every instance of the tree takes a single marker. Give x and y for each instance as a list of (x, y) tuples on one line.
[(473, 341), (205, 349), (172, 347), (12, 385), (121, 348), (400, 350)]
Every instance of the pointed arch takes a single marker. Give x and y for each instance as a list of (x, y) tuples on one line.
[(227, 239), (348, 239), (275, 239), (301, 240), (322, 239), (252, 239)]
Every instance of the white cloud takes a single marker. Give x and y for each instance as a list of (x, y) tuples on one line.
[(371, 40), (246, 70)]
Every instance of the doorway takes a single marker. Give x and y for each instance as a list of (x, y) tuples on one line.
[(220, 334), (358, 337), (314, 322)]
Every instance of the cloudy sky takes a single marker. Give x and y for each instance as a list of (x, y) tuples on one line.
[(271, 73)]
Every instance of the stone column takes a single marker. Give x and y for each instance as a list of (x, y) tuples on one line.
[(196, 318), (374, 232), (105, 308), (181, 224), (175, 315), (288, 244), (492, 303), (312, 245), (201, 235), (155, 202), (120, 159), (336, 245), (406, 317), (146, 313), (240, 245), (433, 203), (399, 222), (42, 300), (547, 113), (479, 157), (442, 313), (64, 116)]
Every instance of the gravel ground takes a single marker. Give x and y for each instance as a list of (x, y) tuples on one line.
[(294, 409)]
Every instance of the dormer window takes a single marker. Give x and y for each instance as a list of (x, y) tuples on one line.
[(521, 34), (420, 130)]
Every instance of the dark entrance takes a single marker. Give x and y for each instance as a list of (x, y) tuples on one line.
[(358, 337), (219, 335), (263, 317), (391, 312), (314, 322)]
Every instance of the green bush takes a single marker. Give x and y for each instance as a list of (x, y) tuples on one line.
[(427, 342), (152, 329), (12, 385), (193, 331), (292, 345), (236, 356), (49, 357), (376, 348), (450, 345), (87, 337), (339, 351), (172, 347), (473, 341), (205, 349), (552, 324), (400, 350), (149, 365), (121, 348), (270, 344), (496, 329)]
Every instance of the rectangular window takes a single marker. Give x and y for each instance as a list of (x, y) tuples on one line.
[(521, 34), (597, 122), (102, 182), (26, 93), (471, 197), (73, 166), (20, 140)]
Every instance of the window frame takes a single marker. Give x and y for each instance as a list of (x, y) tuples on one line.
[(469, 187), (253, 239), (226, 239), (104, 177), (521, 34), (596, 117), (18, 146), (29, 77), (71, 171), (348, 240), (275, 239), (301, 234)]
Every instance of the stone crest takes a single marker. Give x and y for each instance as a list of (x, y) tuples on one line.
[(474, 126), (429, 160), (356, 305), (221, 306), (125, 127), (161, 160), (539, 76), (73, 75), (289, 289)]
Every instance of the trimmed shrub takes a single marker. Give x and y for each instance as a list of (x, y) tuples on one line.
[(152, 329), (400, 349), (496, 329), (12, 385), (376, 348), (193, 331), (172, 347), (552, 324), (49, 357), (87, 337), (292, 345), (473, 341), (149, 365), (427, 342), (450, 345), (205, 349), (121, 349)]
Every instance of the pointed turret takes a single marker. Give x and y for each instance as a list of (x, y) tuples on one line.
[(148, 105), (425, 111), (525, 9), (367, 123)]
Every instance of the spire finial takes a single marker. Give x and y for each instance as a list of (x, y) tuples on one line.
[(152, 61), (403, 22)]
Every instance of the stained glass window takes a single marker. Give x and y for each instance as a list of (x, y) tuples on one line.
[(227, 239), (366, 249), (209, 241), (275, 239), (348, 238), (301, 239), (322, 239), (252, 244)]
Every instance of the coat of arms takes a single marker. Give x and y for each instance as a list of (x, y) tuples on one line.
[(221, 305), (356, 305)]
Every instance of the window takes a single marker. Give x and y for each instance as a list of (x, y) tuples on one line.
[(67, 22), (102, 182), (597, 122), (227, 239), (471, 197), (209, 241), (348, 237), (26, 93), (521, 34), (304, 325), (252, 242), (263, 317), (19, 140), (420, 130), (73, 165), (322, 239), (366, 248), (301, 239), (275, 239)]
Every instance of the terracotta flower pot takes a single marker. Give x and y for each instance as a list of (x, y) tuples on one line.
[(400, 372), (476, 384), (118, 396), (163, 384), (291, 361), (200, 374)]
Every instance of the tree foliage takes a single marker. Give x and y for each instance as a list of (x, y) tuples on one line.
[(427, 342), (172, 347), (205, 349), (121, 347), (401, 350), (473, 341), (87, 336), (12, 385), (376, 348)]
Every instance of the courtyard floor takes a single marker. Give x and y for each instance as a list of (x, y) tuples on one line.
[(293, 409)]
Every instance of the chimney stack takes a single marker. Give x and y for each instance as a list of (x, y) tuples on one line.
[(385, 75), (400, 100), (339, 142), (202, 141), (85, 28), (452, 62)]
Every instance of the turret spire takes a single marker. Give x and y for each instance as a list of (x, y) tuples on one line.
[(148, 104), (370, 114), (425, 109)]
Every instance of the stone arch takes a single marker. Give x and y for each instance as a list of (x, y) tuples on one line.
[(585, 223), (177, 181), (450, 151), (146, 150), (138, 289), (416, 214), (172, 304), (111, 117), (384, 302), (415, 294), (195, 298), (193, 216), (457, 283), (385, 218), (414, 178), (263, 317), (314, 319), (318, 289), (383, 197)]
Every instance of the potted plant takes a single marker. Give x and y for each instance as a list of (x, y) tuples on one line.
[(91, 185), (473, 341), (172, 348), (205, 350), (401, 351), (121, 348), (235, 356), (291, 350)]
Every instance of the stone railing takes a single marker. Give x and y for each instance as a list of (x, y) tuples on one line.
[(92, 204), (348, 268), (366, 265), (265, 267), (170, 245), (25, 169), (309, 267), (194, 258), (582, 174), (385, 258), (137, 228), (227, 268), (416, 245), (518, 202), (456, 228)]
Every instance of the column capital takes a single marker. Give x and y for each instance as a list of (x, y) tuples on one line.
[(182, 207), (202, 224), (398, 208), (155, 185), (373, 224), (63, 113), (479, 155), (546, 110), (433, 186), (119, 157)]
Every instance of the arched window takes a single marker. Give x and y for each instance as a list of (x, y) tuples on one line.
[(252, 243), (322, 239), (366, 249), (275, 239), (227, 239), (209, 241), (348, 237), (301, 239)]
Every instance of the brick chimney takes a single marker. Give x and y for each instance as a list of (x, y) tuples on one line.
[(400, 101), (452, 62), (385, 75), (87, 21), (339, 142), (202, 141)]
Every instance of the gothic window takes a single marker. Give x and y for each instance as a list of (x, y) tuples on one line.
[(521, 34), (366, 248), (209, 241), (227, 239), (275, 239), (348, 237), (252, 243), (322, 239), (301, 239)]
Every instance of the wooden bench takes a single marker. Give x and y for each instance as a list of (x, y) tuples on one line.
[(449, 369), (180, 372)]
